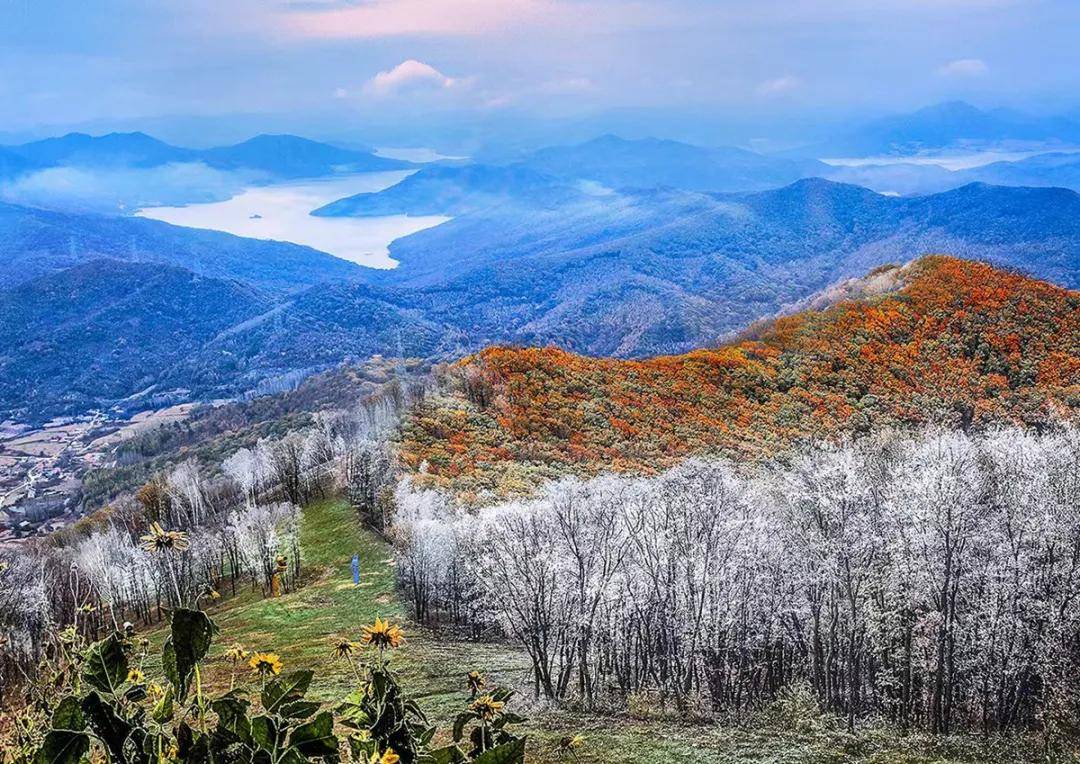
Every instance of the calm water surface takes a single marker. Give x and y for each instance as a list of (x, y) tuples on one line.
[(281, 212)]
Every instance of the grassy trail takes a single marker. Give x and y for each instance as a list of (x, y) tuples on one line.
[(302, 626)]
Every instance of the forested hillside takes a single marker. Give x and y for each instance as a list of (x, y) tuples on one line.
[(667, 271), (956, 342)]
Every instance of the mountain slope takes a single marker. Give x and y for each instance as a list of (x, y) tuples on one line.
[(35, 242), (288, 156), (133, 335), (106, 330), (454, 190), (954, 341), (650, 162), (643, 273), (113, 149)]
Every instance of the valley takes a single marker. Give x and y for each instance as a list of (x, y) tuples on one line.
[(546, 444)]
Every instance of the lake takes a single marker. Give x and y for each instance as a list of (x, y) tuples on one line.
[(281, 212)]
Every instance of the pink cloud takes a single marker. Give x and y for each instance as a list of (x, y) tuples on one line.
[(390, 18)]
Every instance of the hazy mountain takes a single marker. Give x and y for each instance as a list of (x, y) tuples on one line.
[(35, 242), (13, 164), (288, 156), (279, 156), (455, 190), (953, 124), (650, 162), (114, 149), (566, 173), (628, 274), (1053, 169), (665, 271)]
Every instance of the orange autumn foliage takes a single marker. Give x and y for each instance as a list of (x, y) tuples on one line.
[(958, 342)]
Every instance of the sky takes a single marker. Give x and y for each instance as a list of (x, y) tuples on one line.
[(401, 64)]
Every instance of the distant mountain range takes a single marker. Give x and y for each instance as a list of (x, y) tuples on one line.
[(557, 175), (278, 156), (950, 125), (650, 162), (560, 174), (667, 271), (629, 273)]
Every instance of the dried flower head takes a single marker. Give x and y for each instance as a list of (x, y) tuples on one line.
[(161, 540), (343, 648), (236, 653), (475, 681), (129, 628), (265, 664), (382, 634), (572, 742), (486, 707)]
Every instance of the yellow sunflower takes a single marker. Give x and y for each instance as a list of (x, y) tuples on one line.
[(161, 540), (487, 707), (136, 676), (265, 664), (382, 634), (388, 757), (236, 653)]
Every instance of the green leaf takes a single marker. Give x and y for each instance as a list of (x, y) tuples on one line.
[(264, 732), (163, 709), (362, 749), (135, 747), (451, 754), (286, 688), (67, 742), (190, 638), (507, 753), (168, 666), (460, 722), (233, 724), (297, 709), (106, 723), (315, 738), (106, 665)]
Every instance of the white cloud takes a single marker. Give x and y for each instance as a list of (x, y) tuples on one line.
[(779, 86), (964, 67), (408, 74)]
